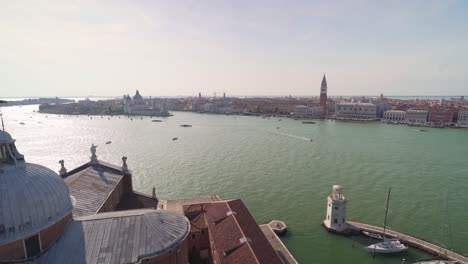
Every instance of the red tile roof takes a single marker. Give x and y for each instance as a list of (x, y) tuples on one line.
[(234, 235)]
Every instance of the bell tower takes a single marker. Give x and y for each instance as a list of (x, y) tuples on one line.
[(336, 210), (323, 95)]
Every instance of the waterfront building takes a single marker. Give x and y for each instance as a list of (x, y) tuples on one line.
[(335, 219), (211, 108), (394, 115), (323, 95), (308, 111), (440, 116), (382, 107), (463, 117), (364, 111), (138, 106), (417, 116)]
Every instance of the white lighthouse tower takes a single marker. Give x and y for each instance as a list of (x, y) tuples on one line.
[(336, 210)]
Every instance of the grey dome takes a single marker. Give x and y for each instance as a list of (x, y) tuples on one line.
[(32, 198), (5, 138)]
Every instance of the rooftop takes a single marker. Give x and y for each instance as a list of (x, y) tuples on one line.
[(234, 234), (32, 197), (90, 185), (118, 237)]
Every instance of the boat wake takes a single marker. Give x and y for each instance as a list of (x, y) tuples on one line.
[(292, 136)]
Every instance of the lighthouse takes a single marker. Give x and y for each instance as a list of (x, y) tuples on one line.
[(336, 211)]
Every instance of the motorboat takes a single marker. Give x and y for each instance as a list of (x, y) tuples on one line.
[(185, 125), (372, 235), (387, 246)]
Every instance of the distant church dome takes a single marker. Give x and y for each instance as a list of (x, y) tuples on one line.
[(32, 197), (137, 96)]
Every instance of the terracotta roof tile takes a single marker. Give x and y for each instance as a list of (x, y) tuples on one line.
[(234, 234)]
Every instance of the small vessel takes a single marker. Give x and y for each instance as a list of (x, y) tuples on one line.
[(277, 127), (108, 142), (186, 125), (372, 235), (388, 245), (21, 123), (175, 138), (279, 227), (423, 130), (308, 122), (156, 120)]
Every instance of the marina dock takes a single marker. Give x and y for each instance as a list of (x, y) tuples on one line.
[(412, 241)]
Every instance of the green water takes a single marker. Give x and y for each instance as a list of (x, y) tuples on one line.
[(279, 173)]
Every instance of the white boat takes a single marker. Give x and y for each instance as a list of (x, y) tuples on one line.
[(372, 235), (387, 246)]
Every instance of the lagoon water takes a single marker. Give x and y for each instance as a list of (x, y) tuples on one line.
[(278, 172)]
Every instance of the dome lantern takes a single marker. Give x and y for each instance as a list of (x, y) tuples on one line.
[(9, 155)]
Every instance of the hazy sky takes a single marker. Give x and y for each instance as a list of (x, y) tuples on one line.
[(264, 47)]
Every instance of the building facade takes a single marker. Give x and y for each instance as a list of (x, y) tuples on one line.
[(394, 115), (308, 111), (138, 106), (437, 116), (463, 118), (358, 111), (417, 116)]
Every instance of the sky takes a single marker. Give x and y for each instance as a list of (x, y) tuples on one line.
[(240, 47)]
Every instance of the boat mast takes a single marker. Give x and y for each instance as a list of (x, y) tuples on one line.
[(444, 225), (386, 212)]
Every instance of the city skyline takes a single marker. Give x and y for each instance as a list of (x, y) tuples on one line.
[(266, 48)]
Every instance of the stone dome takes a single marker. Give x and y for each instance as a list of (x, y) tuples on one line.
[(5, 138), (32, 198)]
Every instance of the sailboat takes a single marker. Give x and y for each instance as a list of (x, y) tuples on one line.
[(388, 245), (438, 259)]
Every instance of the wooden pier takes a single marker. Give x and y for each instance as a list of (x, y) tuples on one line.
[(413, 242)]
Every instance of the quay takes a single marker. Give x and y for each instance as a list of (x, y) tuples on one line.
[(278, 245), (411, 241)]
